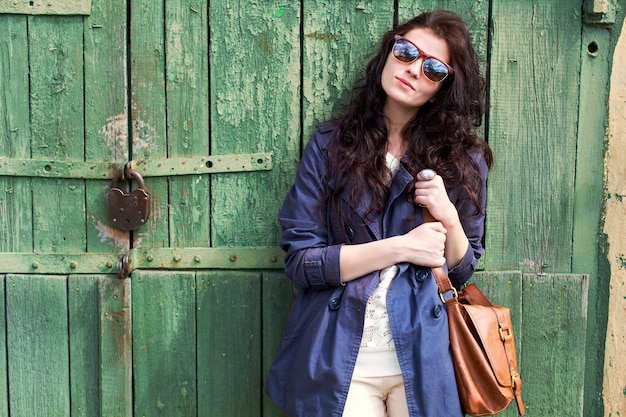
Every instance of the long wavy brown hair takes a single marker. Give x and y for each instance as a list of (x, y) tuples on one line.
[(441, 136)]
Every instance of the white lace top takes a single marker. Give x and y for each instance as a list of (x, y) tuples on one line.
[(377, 355)]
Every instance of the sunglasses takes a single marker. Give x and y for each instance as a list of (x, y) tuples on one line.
[(434, 69)]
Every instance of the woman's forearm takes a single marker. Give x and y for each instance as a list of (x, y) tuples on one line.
[(424, 245), (358, 260)]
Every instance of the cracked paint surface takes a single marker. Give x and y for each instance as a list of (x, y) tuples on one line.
[(614, 389)]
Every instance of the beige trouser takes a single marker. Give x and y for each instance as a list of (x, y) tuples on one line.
[(376, 397)]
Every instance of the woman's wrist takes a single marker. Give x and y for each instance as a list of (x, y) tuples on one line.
[(451, 220)]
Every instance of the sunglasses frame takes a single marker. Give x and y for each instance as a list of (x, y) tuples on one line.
[(421, 54)]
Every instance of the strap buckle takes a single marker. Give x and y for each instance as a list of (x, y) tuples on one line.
[(504, 334), (454, 292)]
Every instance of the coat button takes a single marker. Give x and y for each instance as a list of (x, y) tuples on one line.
[(437, 311), (350, 233), (334, 303), (422, 275)]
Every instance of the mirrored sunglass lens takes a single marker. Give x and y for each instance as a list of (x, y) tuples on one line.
[(404, 51), (434, 70)]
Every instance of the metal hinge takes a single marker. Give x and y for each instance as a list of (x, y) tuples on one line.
[(142, 258), (200, 258), (213, 164)]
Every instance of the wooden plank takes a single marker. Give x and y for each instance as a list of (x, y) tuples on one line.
[(106, 115), (115, 315), (148, 111), (15, 193), (554, 333), (229, 344), (56, 79), (37, 345), (164, 343), (588, 200), (84, 334), (278, 294), (47, 7), (4, 388), (339, 39), (532, 130), (187, 84), (255, 107), (505, 288)]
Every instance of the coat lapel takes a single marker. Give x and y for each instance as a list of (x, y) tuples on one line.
[(373, 221)]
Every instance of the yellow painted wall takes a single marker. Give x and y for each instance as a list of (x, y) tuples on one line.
[(615, 228)]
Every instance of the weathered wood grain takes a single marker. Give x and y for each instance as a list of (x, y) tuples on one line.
[(229, 343), (164, 343), (15, 197), (57, 112), (532, 131), (115, 317), (84, 344), (187, 87), (106, 115), (37, 345), (588, 200), (339, 39), (4, 387), (554, 325), (148, 111), (255, 107)]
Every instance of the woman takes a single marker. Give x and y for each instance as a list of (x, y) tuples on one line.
[(367, 219)]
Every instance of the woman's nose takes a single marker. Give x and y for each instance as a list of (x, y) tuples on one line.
[(415, 68)]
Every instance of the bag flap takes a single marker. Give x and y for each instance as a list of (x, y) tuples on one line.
[(488, 321), (472, 295)]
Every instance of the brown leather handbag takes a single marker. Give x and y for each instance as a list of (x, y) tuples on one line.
[(483, 349)]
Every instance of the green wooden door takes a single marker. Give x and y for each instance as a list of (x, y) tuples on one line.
[(212, 104)]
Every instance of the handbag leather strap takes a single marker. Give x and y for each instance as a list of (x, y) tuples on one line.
[(444, 284)]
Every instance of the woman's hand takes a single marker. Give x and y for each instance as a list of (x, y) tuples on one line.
[(431, 194), (425, 245)]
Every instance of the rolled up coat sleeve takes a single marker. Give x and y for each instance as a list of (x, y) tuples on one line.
[(473, 225), (309, 260)]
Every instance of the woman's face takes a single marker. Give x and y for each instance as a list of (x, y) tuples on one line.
[(406, 86)]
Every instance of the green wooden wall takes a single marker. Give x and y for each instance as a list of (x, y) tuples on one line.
[(145, 80)]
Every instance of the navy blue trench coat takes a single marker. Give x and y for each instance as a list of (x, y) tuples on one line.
[(311, 374)]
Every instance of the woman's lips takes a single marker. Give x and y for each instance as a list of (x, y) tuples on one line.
[(405, 83)]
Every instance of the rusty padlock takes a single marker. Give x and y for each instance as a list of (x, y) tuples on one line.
[(128, 211)]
